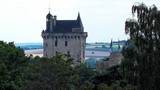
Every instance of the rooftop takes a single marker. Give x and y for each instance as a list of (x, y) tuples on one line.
[(64, 26)]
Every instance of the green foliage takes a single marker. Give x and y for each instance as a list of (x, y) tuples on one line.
[(57, 73), (110, 76), (87, 86), (51, 73), (103, 86), (144, 62), (115, 86), (106, 59), (12, 65), (85, 73), (18, 72), (127, 66)]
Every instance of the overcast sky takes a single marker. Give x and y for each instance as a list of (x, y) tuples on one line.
[(23, 20)]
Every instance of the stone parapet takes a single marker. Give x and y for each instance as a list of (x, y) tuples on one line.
[(64, 35)]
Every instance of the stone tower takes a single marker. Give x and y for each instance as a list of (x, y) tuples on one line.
[(65, 36)]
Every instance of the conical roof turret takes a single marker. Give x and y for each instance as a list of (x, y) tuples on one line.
[(79, 20), (49, 15)]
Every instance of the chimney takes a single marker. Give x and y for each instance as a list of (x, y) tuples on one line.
[(55, 19)]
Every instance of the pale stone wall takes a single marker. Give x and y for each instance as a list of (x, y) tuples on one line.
[(75, 44), (115, 58)]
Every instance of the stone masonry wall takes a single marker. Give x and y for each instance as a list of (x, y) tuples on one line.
[(75, 44)]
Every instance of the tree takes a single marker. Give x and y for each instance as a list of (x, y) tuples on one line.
[(128, 67), (111, 75), (12, 66), (87, 86), (56, 73), (144, 32), (85, 73), (115, 86)]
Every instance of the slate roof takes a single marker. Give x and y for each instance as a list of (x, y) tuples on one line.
[(65, 26)]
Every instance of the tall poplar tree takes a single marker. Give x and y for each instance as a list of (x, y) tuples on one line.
[(144, 32)]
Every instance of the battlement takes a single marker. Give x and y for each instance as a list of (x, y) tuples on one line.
[(46, 35)]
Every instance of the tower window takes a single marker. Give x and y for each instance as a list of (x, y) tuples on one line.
[(68, 52), (66, 43), (46, 45), (56, 52), (56, 42)]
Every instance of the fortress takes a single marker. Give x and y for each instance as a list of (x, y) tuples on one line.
[(65, 36)]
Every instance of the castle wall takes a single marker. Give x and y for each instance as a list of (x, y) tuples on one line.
[(68, 43)]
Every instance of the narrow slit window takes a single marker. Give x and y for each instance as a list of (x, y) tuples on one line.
[(56, 52), (66, 43), (68, 52), (46, 45), (56, 42)]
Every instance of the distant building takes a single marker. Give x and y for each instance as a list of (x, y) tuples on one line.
[(111, 46), (65, 36), (115, 58)]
